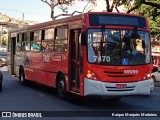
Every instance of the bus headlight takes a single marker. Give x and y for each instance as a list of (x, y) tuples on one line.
[(92, 75), (89, 74), (147, 76)]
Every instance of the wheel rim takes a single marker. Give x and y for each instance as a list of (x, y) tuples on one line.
[(61, 86), (22, 77)]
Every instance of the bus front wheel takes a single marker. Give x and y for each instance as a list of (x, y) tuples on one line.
[(61, 87), (115, 98), (0, 87)]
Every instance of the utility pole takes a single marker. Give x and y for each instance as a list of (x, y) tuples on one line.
[(1, 34), (22, 19)]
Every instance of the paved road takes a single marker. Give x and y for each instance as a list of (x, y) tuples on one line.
[(16, 97)]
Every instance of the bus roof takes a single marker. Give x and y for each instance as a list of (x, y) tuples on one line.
[(64, 21)]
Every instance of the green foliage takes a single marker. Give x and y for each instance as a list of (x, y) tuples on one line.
[(138, 2), (151, 13), (4, 41)]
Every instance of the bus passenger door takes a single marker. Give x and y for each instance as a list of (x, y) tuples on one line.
[(75, 59), (12, 54)]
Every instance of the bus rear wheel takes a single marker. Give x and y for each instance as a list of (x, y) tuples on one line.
[(22, 77), (61, 87)]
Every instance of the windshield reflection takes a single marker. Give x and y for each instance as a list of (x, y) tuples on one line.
[(118, 47)]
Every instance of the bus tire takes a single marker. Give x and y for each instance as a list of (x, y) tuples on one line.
[(115, 99), (61, 87), (22, 76), (154, 79), (0, 87)]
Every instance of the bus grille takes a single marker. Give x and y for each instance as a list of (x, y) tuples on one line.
[(118, 74), (131, 88)]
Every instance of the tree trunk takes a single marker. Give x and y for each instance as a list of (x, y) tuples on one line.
[(136, 7), (52, 14), (152, 4), (107, 6)]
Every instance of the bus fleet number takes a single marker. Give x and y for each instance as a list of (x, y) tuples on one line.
[(102, 59)]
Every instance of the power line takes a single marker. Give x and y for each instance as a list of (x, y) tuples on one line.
[(18, 11)]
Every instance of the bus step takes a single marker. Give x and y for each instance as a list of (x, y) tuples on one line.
[(78, 93)]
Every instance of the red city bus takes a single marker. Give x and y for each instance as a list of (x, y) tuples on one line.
[(92, 54)]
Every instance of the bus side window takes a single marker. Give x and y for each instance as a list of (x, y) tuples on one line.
[(61, 35), (35, 41), (19, 42), (47, 40)]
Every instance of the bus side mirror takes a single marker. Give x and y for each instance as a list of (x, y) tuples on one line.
[(83, 38)]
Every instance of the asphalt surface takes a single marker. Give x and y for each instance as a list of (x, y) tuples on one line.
[(37, 98)]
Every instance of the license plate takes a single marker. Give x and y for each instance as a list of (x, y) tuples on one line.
[(121, 85)]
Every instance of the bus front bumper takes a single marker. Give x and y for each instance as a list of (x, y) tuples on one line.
[(98, 88)]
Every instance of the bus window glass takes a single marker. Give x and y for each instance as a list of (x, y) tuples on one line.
[(26, 46), (36, 46), (19, 37), (49, 33), (37, 35), (61, 39), (24, 37), (19, 47), (61, 33), (28, 36), (23, 46), (118, 47), (47, 46)]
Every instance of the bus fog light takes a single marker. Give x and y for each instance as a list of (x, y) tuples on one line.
[(94, 78)]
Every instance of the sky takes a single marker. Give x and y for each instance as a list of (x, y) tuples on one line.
[(34, 10)]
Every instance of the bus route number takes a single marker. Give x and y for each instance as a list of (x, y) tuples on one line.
[(46, 58)]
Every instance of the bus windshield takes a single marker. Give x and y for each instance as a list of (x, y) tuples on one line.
[(118, 47)]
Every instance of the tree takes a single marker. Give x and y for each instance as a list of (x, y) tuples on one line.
[(71, 14), (4, 41), (151, 10), (135, 4), (115, 4), (54, 3), (63, 5), (138, 3)]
